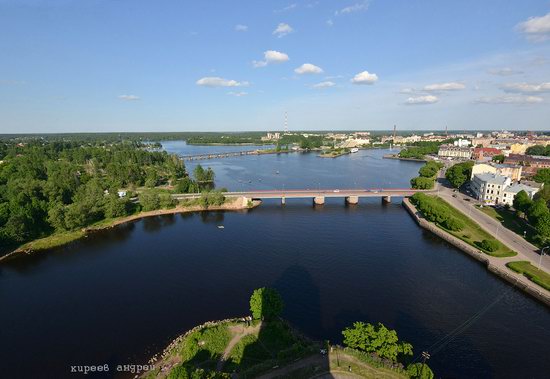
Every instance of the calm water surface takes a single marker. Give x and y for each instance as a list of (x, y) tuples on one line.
[(120, 296)]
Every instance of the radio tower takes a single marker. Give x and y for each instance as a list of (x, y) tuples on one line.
[(286, 123), (446, 133), (394, 128)]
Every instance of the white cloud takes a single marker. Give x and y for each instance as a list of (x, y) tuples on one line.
[(308, 68), (357, 7), (330, 22), (238, 94), (282, 30), (452, 86), (271, 56), (536, 28), (510, 100), (364, 77), (407, 91), (215, 81), (419, 100), (505, 71), (326, 84), (526, 87), (287, 8), (128, 97), (241, 28)]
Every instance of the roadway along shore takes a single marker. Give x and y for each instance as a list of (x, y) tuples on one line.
[(496, 265)]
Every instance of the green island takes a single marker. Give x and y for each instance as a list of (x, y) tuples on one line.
[(53, 192), (456, 223), (266, 346), (334, 153)]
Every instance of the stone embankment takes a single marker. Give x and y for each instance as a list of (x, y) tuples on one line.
[(494, 264)]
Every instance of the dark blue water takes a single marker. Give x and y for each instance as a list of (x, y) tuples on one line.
[(120, 296)]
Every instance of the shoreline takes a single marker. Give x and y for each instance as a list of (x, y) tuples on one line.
[(235, 205), (517, 280), (395, 156)]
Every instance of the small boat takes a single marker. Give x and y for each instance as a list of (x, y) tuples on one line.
[(354, 150), (277, 172), (221, 227)]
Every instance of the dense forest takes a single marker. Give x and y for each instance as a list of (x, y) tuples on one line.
[(56, 185)]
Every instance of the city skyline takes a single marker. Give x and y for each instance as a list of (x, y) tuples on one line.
[(347, 65)]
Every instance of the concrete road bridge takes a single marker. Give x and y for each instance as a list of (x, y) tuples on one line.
[(351, 196), (197, 157)]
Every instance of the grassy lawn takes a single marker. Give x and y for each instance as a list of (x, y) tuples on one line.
[(473, 234), (203, 348), (275, 344), (535, 275), (510, 221), (52, 241)]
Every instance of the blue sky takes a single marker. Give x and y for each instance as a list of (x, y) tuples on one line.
[(131, 65)]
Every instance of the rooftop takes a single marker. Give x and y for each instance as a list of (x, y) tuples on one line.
[(492, 178), (515, 188)]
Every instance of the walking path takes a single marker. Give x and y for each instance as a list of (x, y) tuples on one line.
[(239, 332)]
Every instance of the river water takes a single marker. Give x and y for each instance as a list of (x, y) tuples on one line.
[(121, 295)]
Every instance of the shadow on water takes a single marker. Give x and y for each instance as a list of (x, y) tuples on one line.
[(278, 343)]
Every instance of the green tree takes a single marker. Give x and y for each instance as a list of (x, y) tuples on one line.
[(498, 158), (543, 227), (115, 206), (459, 173), (149, 200), (537, 209), (536, 150), (266, 303), (419, 371), (542, 176), (522, 202), (376, 339), (422, 183)]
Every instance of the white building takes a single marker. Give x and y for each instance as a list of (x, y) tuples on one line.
[(489, 188), (461, 142), (450, 151), (510, 193)]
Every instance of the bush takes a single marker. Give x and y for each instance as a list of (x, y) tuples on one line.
[(419, 371), (422, 183), (454, 224), (489, 245)]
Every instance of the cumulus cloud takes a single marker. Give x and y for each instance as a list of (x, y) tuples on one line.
[(308, 68), (364, 77), (452, 86), (128, 97), (282, 30), (215, 81), (419, 100), (536, 28), (357, 7), (241, 28), (238, 94), (330, 22), (526, 87), (323, 85), (271, 56), (508, 99), (505, 71)]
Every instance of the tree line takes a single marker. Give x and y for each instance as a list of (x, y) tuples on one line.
[(49, 186), (427, 175)]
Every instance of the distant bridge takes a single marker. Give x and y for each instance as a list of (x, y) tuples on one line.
[(197, 157), (351, 196)]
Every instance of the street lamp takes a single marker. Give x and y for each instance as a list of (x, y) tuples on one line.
[(541, 254)]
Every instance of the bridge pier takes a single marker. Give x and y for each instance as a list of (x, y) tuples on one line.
[(318, 200), (352, 199), (386, 199), (283, 200)]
